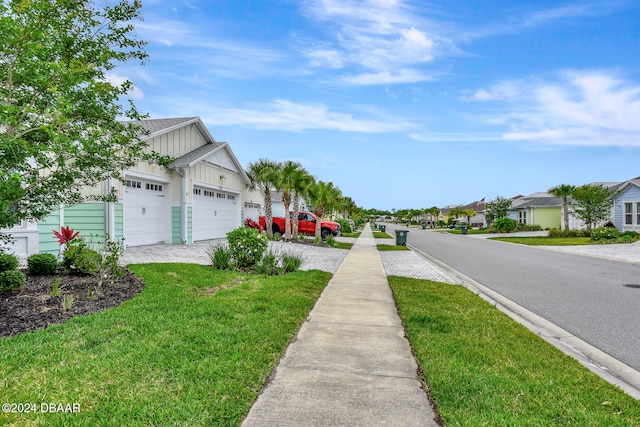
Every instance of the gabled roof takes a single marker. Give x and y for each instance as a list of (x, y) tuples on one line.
[(197, 155), (477, 206), (157, 127), (539, 199), (627, 184), (161, 126)]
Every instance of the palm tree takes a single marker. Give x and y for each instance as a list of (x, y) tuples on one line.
[(303, 182), (563, 191), (263, 175), (434, 211), (288, 176), (323, 197)]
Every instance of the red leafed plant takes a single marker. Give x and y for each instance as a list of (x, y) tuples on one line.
[(66, 235), (249, 223)]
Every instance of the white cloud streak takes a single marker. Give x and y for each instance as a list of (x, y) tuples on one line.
[(285, 115), (581, 108)]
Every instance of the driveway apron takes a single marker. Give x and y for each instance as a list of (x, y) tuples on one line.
[(350, 364)]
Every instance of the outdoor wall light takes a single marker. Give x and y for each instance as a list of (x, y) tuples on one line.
[(223, 178)]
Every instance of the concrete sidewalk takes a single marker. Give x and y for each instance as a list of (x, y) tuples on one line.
[(350, 364)]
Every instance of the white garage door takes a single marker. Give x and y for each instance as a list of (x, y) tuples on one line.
[(215, 213), (144, 214), (252, 210)]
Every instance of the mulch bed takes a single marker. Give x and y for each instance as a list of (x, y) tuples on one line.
[(32, 306)]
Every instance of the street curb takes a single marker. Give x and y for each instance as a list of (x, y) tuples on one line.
[(607, 367)]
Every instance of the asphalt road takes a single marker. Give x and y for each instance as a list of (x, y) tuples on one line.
[(585, 296)]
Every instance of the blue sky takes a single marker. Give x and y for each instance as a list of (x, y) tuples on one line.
[(406, 104)]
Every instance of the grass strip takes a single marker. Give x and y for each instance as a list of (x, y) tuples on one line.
[(193, 349), (383, 247), (381, 235), (547, 241), (342, 245), (485, 369)]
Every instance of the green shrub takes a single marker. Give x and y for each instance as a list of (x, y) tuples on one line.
[(345, 226), (504, 225), (42, 264), (220, 255), (8, 262), (629, 236), (268, 265), (605, 234), (11, 280), (79, 259), (330, 241), (291, 262), (247, 246)]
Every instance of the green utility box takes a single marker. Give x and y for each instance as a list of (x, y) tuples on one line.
[(383, 228), (401, 237)]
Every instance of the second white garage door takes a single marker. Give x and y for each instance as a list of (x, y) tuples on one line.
[(215, 213)]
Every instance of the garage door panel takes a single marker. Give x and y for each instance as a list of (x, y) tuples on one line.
[(144, 212)]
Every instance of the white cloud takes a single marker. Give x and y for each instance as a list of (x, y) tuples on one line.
[(386, 77), (384, 40), (135, 92), (590, 108), (290, 116)]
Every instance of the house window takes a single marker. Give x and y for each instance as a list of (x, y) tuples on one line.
[(197, 191), (133, 184), (628, 213), (231, 197), (522, 217), (221, 196), (637, 213)]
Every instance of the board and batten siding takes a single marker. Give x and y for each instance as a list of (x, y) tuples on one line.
[(177, 142)]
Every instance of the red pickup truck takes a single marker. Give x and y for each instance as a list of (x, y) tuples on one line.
[(306, 225)]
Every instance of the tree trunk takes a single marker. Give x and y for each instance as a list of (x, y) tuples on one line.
[(268, 215), (296, 212), (286, 198)]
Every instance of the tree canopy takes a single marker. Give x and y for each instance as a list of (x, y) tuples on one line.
[(497, 208), (592, 204), (62, 116)]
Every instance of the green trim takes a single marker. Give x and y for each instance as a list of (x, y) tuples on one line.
[(189, 225), (119, 220), (175, 225)]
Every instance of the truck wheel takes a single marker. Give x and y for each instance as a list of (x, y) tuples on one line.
[(324, 233)]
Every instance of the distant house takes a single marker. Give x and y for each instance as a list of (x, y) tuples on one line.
[(203, 195), (477, 220), (540, 209), (626, 206)]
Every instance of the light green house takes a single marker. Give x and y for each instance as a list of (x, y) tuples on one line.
[(540, 209)]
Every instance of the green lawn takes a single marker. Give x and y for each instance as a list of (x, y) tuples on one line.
[(193, 349), (485, 369), (547, 241)]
